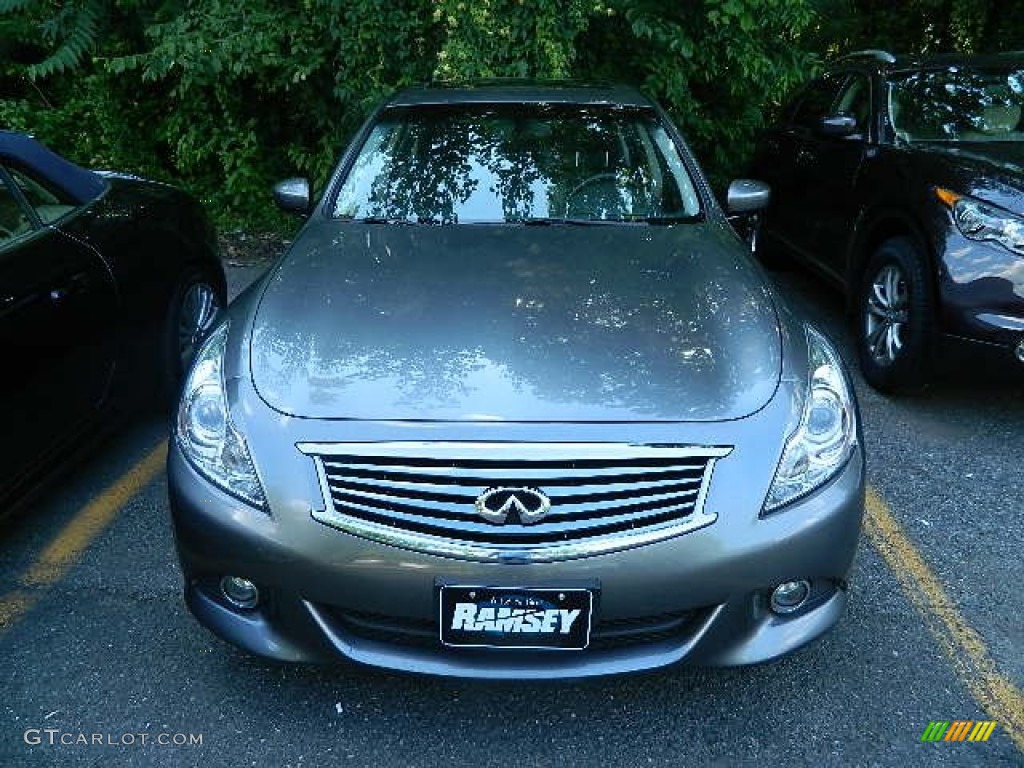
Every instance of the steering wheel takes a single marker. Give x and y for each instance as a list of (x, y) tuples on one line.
[(594, 208), (597, 177)]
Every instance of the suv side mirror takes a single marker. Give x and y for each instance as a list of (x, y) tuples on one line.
[(839, 125), (747, 196), (293, 196)]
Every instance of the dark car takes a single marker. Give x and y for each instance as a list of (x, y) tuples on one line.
[(107, 284), (517, 402), (901, 180)]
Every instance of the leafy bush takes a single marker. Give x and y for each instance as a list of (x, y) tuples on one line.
[(226, 97)]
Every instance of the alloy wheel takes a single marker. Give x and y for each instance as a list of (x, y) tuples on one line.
[(886, 314), (199, 308)]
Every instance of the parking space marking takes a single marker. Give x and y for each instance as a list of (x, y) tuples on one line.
[(971, 661), (68, 546)]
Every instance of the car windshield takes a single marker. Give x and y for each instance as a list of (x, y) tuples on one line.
[(959, 104), (470, 164)]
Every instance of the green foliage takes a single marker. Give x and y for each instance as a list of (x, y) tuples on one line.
[(225, 97), (716, 66), (74, 30), (919, 26), (266, 90), (509, 38)]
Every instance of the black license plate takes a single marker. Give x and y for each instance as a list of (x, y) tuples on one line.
[(501, 617)]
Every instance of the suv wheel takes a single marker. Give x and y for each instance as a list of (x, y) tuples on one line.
[(895, 315)]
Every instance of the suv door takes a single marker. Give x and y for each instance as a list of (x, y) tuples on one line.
[(57, 300), (786, 157), (829, 177)]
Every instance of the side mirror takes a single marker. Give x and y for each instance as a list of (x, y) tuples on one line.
[(838, 126), (747, 196), (293, 196)]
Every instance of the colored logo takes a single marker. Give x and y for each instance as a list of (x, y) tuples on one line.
[(958, 730)]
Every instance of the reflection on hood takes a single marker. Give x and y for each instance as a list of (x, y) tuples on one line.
[(518, 323)]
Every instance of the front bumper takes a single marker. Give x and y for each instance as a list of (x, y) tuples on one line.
[(981, 286), (701, 597)]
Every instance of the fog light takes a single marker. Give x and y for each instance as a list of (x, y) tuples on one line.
[(790, 595), (1020, 351), (239, 591)]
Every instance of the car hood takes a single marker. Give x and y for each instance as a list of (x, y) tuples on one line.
[(516, 323), (1003, 156), (991, 170)]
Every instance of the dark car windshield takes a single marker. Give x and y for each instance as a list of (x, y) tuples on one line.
[(959, 104), (517, 163)]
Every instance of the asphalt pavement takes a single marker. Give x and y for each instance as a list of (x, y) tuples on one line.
[(103, 666)]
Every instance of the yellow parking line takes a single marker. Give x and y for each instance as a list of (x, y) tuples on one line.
[(67, 547), (973, 664)]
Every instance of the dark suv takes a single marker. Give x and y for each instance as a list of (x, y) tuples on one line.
[(902, 181)]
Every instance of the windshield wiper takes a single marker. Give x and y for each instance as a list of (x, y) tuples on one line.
[(542, 221), (663, 220), (393, 220), (380, 220)]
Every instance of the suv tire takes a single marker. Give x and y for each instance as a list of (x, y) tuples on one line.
[(896, 318)]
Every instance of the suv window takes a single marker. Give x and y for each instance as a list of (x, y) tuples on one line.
[(856, 100), (958, 104), (816, 102)]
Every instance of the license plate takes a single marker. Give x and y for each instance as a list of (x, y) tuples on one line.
[(499, 617)]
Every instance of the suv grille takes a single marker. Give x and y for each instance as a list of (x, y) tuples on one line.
[(604, 496)]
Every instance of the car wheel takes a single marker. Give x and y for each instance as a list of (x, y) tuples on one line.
[(193, 310), (896, 318)]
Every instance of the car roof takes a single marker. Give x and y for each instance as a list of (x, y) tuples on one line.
[(22, 150), (521, 91)]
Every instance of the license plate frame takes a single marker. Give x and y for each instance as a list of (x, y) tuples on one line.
[(520, 618)]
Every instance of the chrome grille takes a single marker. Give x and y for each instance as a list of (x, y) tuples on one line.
[(604, 496)]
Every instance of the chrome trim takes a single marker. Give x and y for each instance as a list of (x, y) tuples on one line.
[(512, 451), (1002, 322), (516, 451)]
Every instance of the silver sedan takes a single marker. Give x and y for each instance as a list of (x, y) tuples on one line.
[(517, 403)]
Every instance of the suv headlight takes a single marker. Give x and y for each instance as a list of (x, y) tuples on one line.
[(826, 434), (978, 220), (205, 432)]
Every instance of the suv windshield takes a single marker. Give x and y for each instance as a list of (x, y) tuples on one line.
[(958, 104), (537, 163)]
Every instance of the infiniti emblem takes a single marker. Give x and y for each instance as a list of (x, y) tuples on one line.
[(498, 505)]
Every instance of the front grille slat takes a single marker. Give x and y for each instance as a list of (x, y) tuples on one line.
[(454, 475), (563, 508), (515, 534), (603, 496)]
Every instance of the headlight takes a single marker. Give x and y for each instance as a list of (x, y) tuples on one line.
[(978, 220), (826, 434), (205, 432)]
